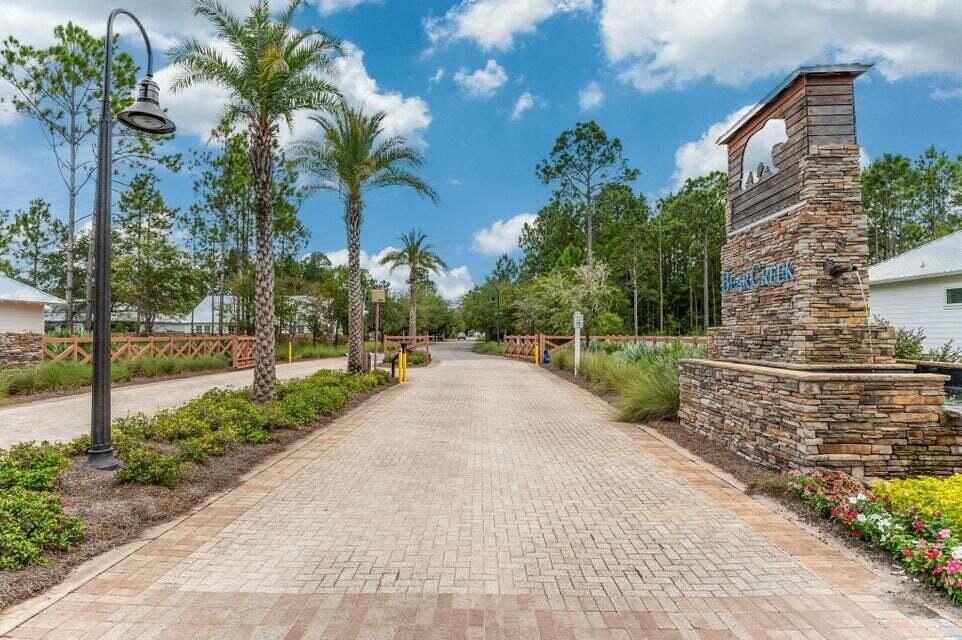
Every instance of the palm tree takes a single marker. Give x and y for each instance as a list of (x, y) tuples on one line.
[(418, 255), (354, 158), (271, 71)]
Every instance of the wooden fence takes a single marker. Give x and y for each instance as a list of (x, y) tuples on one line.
[(523, 347), (240, 349), (417, 343)]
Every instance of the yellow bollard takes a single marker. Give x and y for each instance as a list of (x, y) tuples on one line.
[(404, 366), (290, 351)]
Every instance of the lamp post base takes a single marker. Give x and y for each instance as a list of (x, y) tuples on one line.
[(103, 460)]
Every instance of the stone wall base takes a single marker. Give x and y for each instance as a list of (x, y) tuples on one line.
[(19, 349), (871, 425)]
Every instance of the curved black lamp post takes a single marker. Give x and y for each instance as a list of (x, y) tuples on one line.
[(144, 115)]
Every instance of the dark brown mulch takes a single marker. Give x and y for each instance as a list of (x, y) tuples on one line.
[(918, 597), (114, 513)]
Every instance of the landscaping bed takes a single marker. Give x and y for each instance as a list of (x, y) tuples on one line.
[(55, 513)]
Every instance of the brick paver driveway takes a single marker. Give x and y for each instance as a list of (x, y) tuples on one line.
[(486, 499)]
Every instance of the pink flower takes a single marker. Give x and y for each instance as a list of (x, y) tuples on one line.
[(953, 566), (851, 515), (934, 553), (943, 534), (857, 533), (907, 552), (918, 526)]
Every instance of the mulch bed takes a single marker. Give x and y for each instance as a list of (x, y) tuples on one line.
[(918, 597), (114, 513)]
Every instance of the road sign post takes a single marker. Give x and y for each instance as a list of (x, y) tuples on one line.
[(579, 321)]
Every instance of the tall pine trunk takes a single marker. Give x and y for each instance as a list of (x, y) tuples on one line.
[(413, 307), (265, 376), (705, 277), (355, 308)]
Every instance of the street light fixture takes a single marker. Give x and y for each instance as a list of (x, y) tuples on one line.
[(146, 116)]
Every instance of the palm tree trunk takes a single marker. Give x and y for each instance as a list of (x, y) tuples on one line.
[(413, 308), (265, 377), (705, 276), (355, 310)]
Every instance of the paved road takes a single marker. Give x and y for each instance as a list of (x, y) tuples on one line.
[(485, 499), (61, 419)]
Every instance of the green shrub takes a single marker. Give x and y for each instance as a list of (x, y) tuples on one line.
[(488, 348), (908, 343), (211, 424), (306, 351), (946, 353), (148, 465), (31, 466), (31, 522)]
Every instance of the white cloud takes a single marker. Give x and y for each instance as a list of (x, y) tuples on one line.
[(591, 96), (198, 109), (946, 94), (525, 101), (454, 182), (493, 24), (503, 235), (670, 43), (8, 113), (863, 159), (437, 77), (482, 83), (327, 7), (451, 284), (702, 156), (406, 116)]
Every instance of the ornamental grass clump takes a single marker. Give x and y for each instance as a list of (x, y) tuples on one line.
[(643, 378), (926, 540)]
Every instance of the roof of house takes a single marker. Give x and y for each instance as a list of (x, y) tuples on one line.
[(939, 258), (15, 291)]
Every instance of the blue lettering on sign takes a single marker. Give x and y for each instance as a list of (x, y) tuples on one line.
[(758, 276)]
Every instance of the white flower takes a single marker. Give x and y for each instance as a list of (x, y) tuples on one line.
[(861, 497), (861, 517), (957, 552)]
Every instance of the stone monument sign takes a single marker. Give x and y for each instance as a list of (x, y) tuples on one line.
[(799, 376)]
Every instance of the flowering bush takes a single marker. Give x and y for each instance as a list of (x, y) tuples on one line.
[(930, 495), (928, 543)]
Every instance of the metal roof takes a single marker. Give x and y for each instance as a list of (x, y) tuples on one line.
[(854, 69), (939, 258), (12, 290)]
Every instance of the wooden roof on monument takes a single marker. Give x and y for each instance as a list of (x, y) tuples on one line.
[(854, 70)]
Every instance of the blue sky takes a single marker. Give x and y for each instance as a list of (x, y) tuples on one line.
[(485, 86)]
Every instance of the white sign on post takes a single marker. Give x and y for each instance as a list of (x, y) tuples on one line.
[(579, 321)]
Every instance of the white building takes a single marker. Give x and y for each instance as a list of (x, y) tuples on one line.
[(922, 288), (22, 307)]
